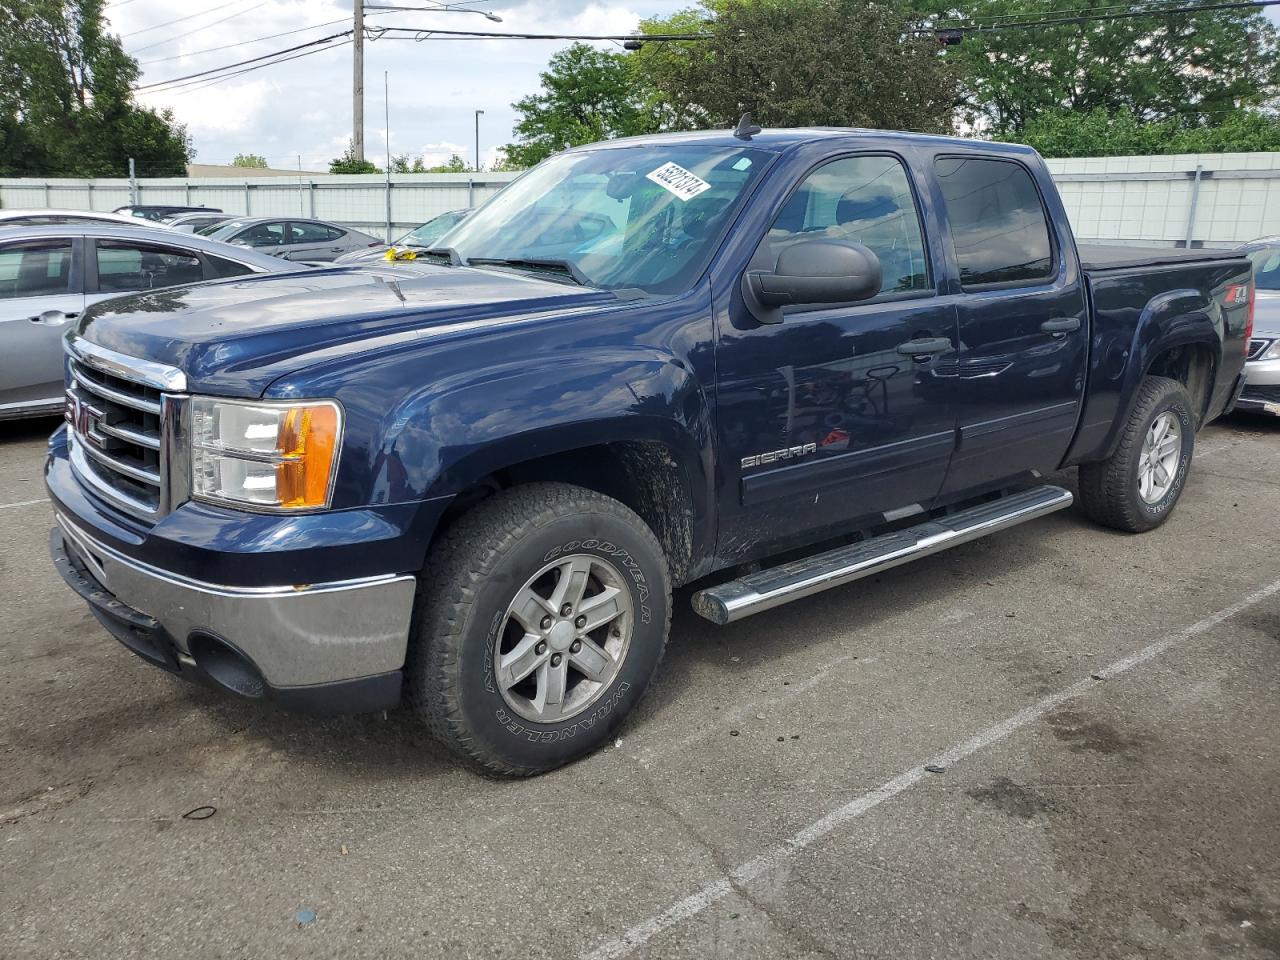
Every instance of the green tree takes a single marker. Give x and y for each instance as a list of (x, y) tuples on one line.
[(1062, 133), (349, 163), (249, 160), (455, 164), (1198, 67), (66, 105), (587, 95), (797, 63)]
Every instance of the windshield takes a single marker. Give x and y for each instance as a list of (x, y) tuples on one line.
[(1266, 267), (431, 231), (225, 229), (644, 217)]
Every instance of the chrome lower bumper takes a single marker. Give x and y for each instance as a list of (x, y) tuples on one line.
[(296, 635)]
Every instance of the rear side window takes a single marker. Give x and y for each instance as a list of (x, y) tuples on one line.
[(312, 233), (126, 266), (998, 224), (37, 268), (229, 268)]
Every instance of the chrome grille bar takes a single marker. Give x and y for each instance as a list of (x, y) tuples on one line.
[(125, 427)]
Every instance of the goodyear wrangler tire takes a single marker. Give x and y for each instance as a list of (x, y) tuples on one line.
[(541, 618)]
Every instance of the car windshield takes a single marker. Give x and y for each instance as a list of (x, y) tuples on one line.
[(431, 231), (643, 217), (1266, 267)]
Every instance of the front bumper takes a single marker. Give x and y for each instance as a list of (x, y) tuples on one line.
[(1262, 387), (324, 648)]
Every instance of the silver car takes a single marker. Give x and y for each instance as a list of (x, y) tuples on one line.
[(198, 222), (1262, 370), (422, 237), (294, 238), (50, 217), (48, 275)]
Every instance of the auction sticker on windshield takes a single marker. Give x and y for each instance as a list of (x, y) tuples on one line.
[(678, 180)]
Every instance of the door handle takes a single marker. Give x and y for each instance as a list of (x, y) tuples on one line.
[(924, 347), (53, 318), (1059, 327)]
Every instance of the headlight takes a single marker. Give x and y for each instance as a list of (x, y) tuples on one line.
[(275, 456), (1272, 352)]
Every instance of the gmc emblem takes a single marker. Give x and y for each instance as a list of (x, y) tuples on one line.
[(86, 424)]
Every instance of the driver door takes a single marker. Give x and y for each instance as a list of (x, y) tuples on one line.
[(825, 423)]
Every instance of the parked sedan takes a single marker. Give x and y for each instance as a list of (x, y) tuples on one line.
[(49, 217), (49, 274), (423, 237), (198, 222), (294, 238), (1262, 371)]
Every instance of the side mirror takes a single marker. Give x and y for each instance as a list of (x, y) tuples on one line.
[(812, 271)]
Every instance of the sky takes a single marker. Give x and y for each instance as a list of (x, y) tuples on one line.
[(302, 110)]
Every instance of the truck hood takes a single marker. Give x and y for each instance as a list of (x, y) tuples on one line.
[(233, 337)]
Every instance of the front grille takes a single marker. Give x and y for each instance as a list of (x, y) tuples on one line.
[(116, 437), (1258, 346)]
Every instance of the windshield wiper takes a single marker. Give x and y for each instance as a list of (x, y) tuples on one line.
[(542, 264)]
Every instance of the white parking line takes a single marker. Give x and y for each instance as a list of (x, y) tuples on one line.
[(23, 503), (717, 890)]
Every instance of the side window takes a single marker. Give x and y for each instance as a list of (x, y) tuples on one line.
[(998, 223), (228, 268), (263, 235), (308, 233), (38, 268), (864, 199), (124, 266), (333, 233)]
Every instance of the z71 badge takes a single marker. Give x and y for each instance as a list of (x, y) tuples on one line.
[(786, 453)]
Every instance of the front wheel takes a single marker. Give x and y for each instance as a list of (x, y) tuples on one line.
[(1136, 488), (540, 621)]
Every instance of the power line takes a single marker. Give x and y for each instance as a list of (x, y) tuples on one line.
[(245, 43), (190, 16), (206, 26), (193, 85), (241, 63)]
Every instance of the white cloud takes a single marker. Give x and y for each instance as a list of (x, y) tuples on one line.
[(304, 106)]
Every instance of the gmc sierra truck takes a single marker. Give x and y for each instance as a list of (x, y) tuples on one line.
[(760, 363)]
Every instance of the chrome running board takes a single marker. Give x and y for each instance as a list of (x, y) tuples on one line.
[(802, 578)]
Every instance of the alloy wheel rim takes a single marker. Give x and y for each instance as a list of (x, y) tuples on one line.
[(563, 639), (1158, 461)]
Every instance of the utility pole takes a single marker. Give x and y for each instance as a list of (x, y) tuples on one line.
[(386, 106), (479, 113), (357, 80), (133, 184)]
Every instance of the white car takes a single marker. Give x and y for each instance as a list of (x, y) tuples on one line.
[(47, 218), (1262, 369), (48, 275)]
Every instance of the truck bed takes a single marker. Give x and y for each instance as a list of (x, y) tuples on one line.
[(1096, 257)]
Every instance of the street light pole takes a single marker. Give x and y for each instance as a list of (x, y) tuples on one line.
[(479, 113), (357, 80)]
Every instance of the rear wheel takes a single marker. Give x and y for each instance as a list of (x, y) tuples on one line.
[(1137, 487), (541, 619)]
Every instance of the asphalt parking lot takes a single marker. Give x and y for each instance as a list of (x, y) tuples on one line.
[(1055, 742)]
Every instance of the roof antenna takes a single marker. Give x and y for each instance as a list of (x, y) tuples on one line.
[(745, 129)]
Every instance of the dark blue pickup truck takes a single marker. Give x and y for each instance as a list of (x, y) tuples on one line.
[(762, 363)]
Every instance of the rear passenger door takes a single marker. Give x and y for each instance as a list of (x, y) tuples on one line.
[(1019, 376), (41, 293)]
